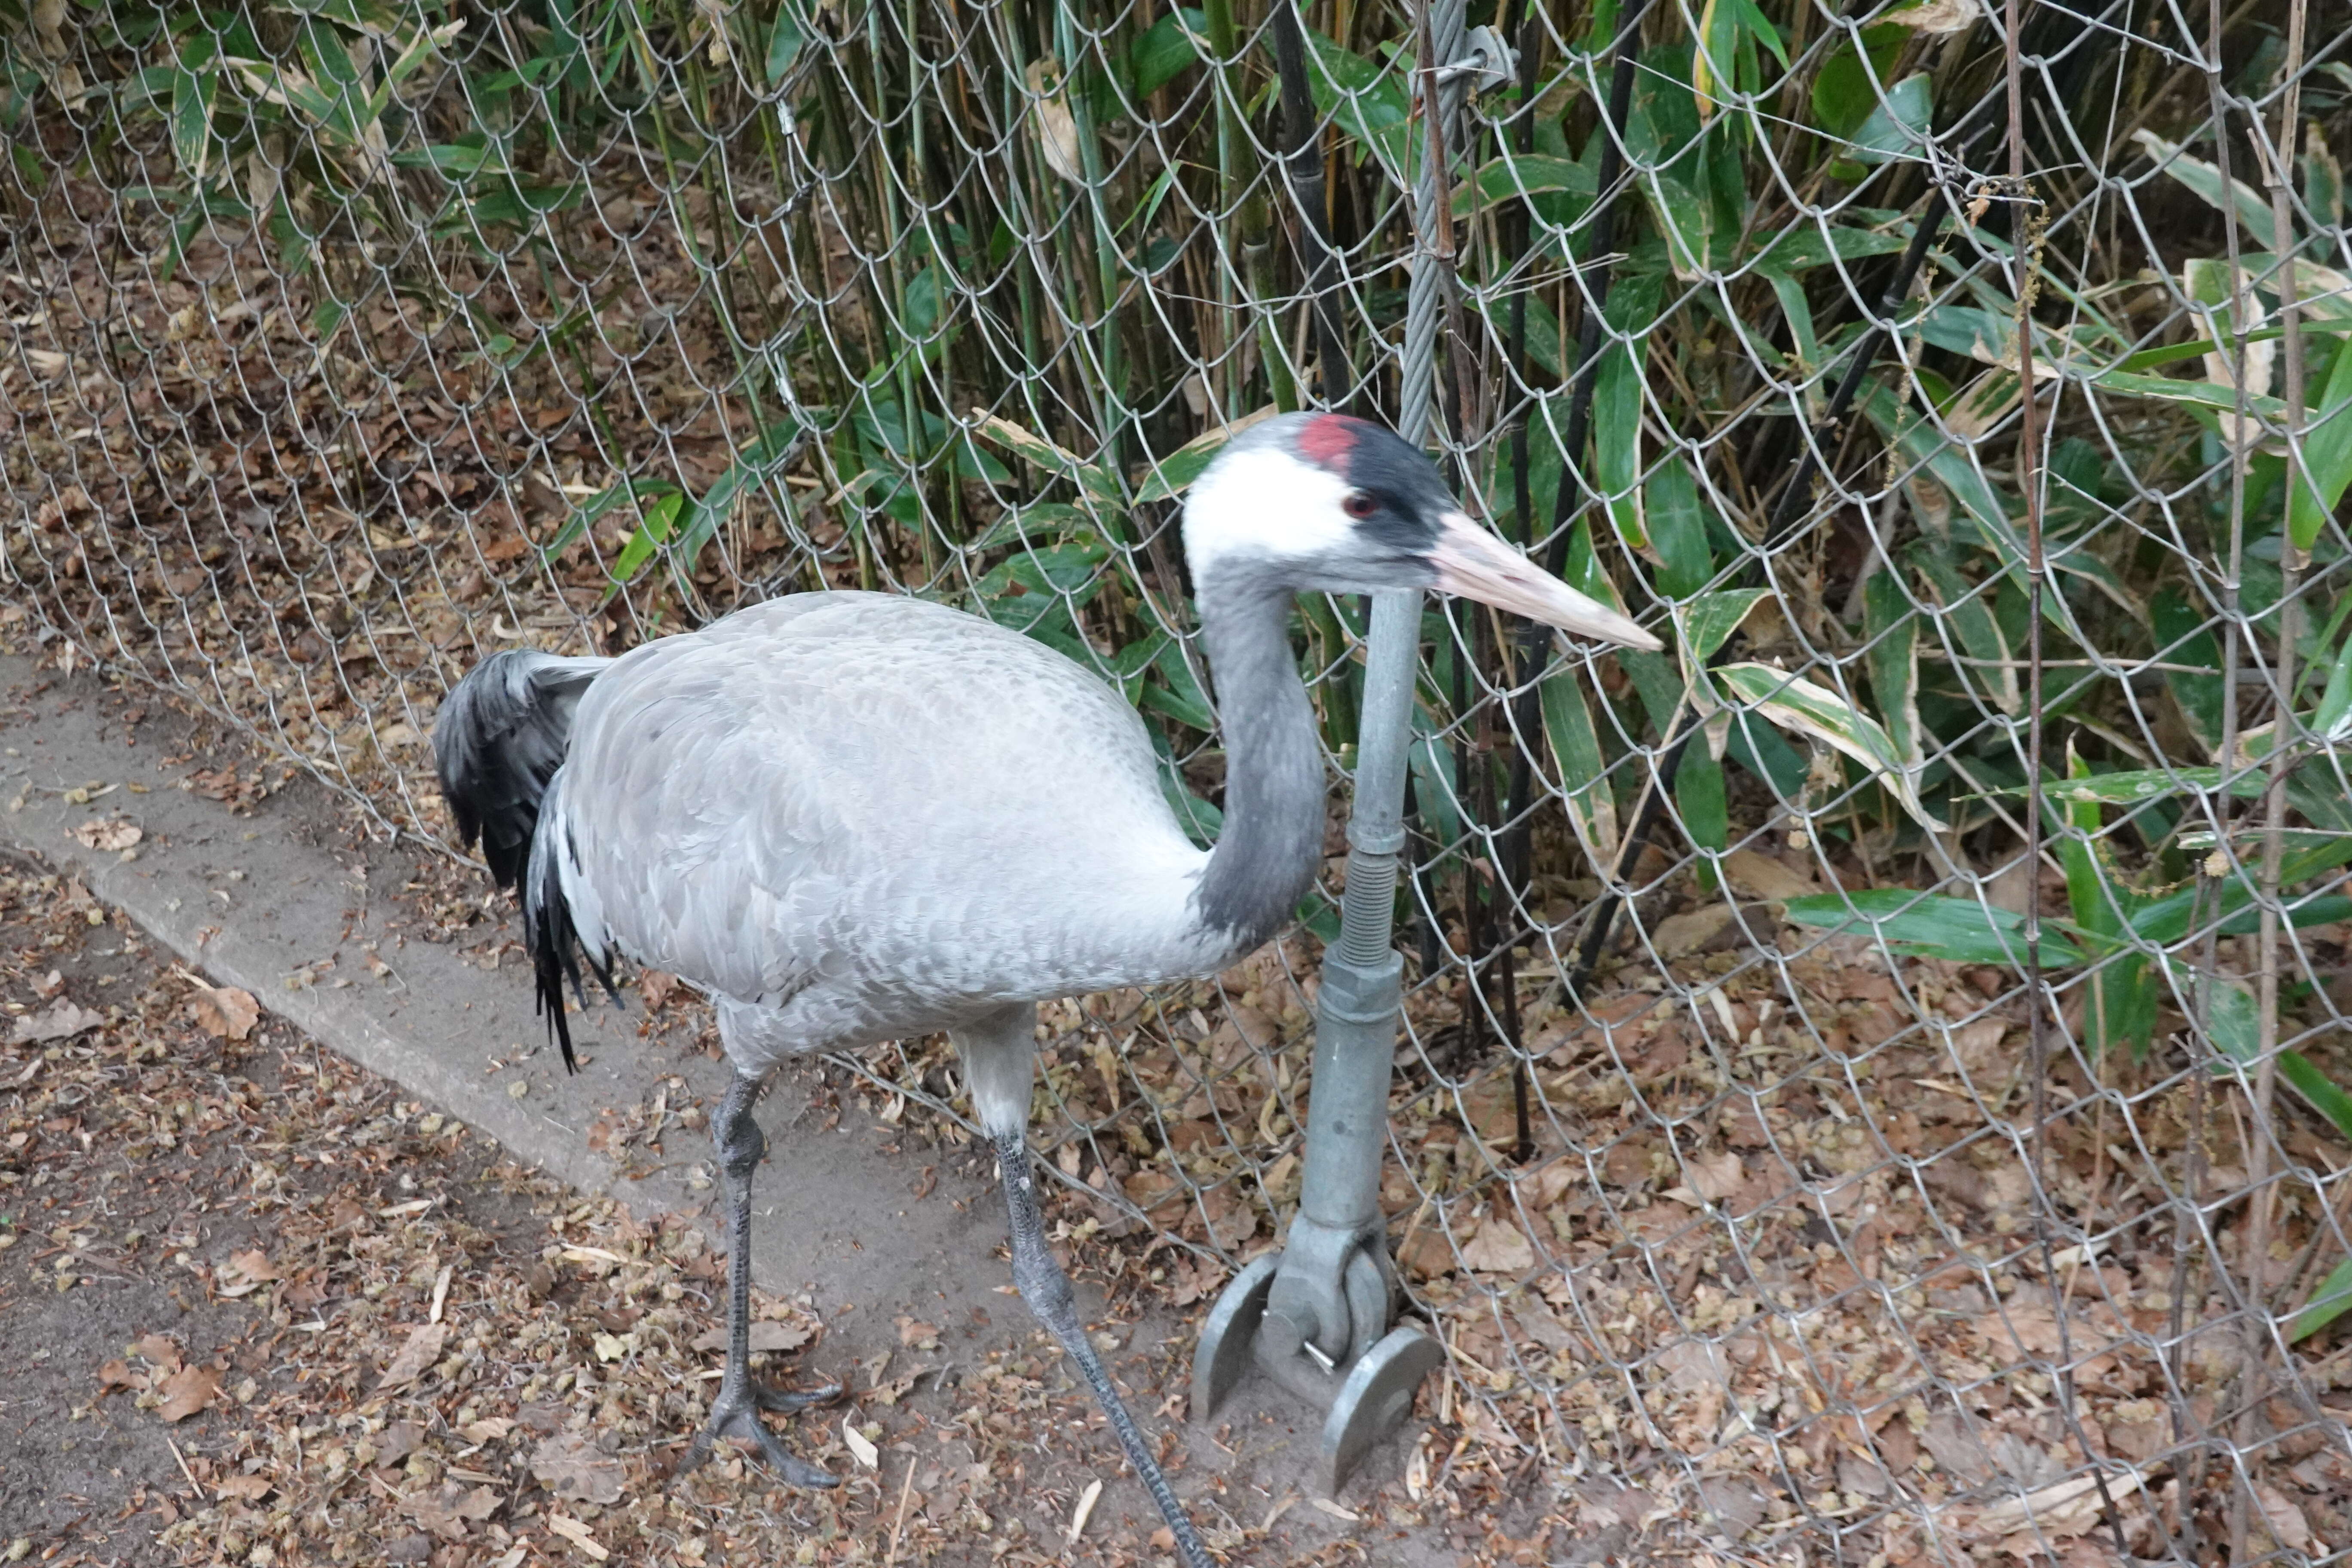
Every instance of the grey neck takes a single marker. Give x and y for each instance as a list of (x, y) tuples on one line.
[(1275, 789)]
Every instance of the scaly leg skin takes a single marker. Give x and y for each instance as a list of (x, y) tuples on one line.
[(1048, 1290), (736, 1412)]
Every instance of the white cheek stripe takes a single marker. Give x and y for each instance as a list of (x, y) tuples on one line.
[(1267, 504)]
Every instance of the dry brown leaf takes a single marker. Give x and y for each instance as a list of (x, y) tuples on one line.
[(572, 1530), (246, 1489), (1693, 929), (63, 1021), (654, 986), (2026, 1325), (109, 833), (914, 1334), (243, 1274), (447, 1510), (487, 1431), (1499, 1248), (160, 1353), (1765, 877), (571, 1466), (769, 1337), (116, 1374), (2023, 1524), (1716, 1177), (187, 1391), (2288, 1527), (423, 1349), (860, 1444), (226, 1014)]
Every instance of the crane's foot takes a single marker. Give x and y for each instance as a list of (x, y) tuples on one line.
[(735, 1414), (786, 1401)]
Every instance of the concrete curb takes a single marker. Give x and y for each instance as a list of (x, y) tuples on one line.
[(280, 904)]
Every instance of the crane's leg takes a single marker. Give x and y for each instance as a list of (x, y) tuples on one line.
[(997, 1062), (736, 1412)]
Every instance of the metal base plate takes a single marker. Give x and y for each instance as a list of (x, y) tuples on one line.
[(1374, 1401), (1229, 1337)]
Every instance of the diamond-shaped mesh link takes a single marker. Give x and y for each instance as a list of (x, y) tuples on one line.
[(349, 340)]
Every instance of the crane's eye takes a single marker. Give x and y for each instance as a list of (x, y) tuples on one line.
[(1359, 504)]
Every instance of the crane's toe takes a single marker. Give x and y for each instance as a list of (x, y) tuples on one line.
[(735, 1415), (786, 1401)]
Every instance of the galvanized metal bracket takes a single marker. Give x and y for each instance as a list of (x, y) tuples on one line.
[(1317, 1319)]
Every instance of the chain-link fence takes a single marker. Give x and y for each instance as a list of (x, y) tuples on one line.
[(1752, 1196)]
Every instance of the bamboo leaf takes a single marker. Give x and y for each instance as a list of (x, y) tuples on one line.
[(2317, 1087), (1576, 748), (1096, 481), (193, 93), (1892, 629), (2328, 456), (1961, 931), (2253, 208), (2330, 1302), (1171, 475), (1710, 619), (1809, 709)]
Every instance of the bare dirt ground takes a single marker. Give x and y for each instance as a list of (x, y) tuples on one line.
[(264, 1310)]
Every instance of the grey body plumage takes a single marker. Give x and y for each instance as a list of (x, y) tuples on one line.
[(852, 817)]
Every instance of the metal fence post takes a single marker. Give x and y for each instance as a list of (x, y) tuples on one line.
[(1315, 1317)]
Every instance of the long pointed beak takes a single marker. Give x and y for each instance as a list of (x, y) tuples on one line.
[(1475, 564)]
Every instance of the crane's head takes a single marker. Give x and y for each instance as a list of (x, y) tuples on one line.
[(1322, 502)]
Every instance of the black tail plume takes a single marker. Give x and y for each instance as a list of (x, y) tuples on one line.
[(555, 945), (499, 739), (498, 744)]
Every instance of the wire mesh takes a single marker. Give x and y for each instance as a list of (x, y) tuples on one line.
[(1817, 1128)]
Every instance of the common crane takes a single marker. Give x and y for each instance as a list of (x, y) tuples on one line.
[(854, 817)]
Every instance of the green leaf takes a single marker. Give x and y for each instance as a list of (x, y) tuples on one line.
[(1808, 246), (1617, 395), (1042, 523), (192, 119), (2327, 455), (1897, 124), (1845, 90), (2181, 637), (1892, 629), (754, 465), (1367, 102), (1511, 176), (2336, 702), (1677, 523), (1576, 747), (1096, 481), (2166, 919), (2253, 208), (1183, 698), (1959, 930), (2138, 785), (2176, 389), (2233, 1022), (1711, 618), (1654, 677), (784, 43), (2330, 1302), (1168, 477), (1809, 709), (1921, 445), (659, 519), (1165, 48), (2317, 1087), (590, 512), (1699, 797)]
